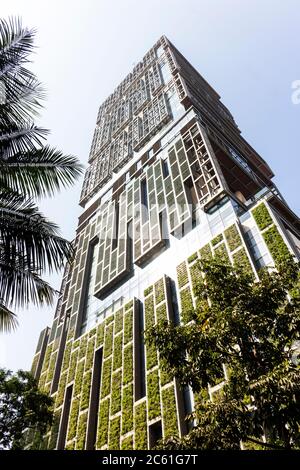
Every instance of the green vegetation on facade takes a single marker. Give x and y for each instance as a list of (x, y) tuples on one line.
[(215, 241), (74, 413), (119, 321), (128, 364), (159, 291), (193, 257), (127, 409), (187, 307), (114, 433), (78, 378), (221, 252), (233, 237), (108, 342), (117, 356), (128, 326), (238, 309), (106, 378), (182, 275), (241, 261), (275, 244), (262, 216), (81, 431), (129, 305), (170, 424), (73, 363), (102, 432), (161, 313), (100, 335), (153, 395), (127, 443), (85, 390), (140, 426), (90, 354), (205, 252), (148, 291), (118, 414), (116, 392)]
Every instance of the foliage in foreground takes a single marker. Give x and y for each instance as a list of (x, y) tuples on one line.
[(22, 406), (29, 169), (251, 328)]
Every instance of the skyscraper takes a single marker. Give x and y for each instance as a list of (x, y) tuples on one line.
[(170, 179)]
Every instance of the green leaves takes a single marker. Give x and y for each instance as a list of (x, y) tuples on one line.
[(38, 172), (23, 406), (8, 320), (29, 243), (238, 347)]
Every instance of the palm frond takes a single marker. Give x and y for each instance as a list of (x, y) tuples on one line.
[(39, 172), (26, 233), (20, 286), (8, 319), (18, 139), (21, 100), (16, 44), (29, 242)]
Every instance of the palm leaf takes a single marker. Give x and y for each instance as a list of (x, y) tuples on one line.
[(29, 243), (26, 233), (8, 319), (39, 172), (16, 42), (21, 100), (19, 285), (19, 139), (19, 83)]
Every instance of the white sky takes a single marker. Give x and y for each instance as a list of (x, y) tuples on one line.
[(248, 50)]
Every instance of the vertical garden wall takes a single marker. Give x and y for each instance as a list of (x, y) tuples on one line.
[(126, 412)]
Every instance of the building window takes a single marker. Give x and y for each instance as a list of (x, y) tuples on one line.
[(94, 401), (159, 51), (91, 304), (144, 201), (65, 419), (177, 109), (165, 168), (155, 433), (107, 196), (166, 72)]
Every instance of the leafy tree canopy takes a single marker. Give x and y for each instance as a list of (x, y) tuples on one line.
[(242, 341), (22, 406)]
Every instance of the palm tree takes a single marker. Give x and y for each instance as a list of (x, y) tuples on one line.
[(29, 243)]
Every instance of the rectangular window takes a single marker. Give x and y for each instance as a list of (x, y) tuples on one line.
[(94, 402), (166, 72), (139, 364), (62, 345), (144, 201), (155, 433), (165, 168), (116, 227), (65, 419), (90, 305)]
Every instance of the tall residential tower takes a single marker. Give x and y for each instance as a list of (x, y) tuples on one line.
[(170, 179)]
